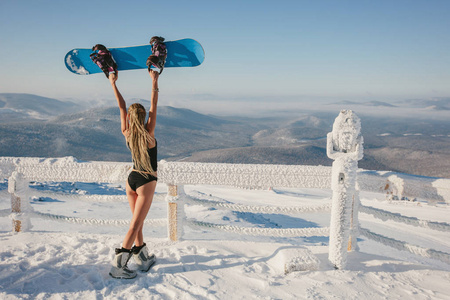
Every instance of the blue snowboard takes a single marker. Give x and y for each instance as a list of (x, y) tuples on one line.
[(180, 53)]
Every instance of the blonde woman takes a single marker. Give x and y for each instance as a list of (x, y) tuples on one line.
[(141, 184)]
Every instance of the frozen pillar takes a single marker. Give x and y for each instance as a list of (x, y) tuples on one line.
[(354, 222), (344, 146)]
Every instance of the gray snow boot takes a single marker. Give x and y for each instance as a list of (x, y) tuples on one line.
[(142, 259), (119, 268)]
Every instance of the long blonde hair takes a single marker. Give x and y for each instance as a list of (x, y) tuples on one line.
[(138, 139)]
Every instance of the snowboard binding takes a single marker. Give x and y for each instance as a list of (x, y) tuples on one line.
[(159, 53), (103, 58)]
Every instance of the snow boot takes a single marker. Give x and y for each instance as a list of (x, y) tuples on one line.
[(159, 54), (103, 59), (142, 259), (119, 268)]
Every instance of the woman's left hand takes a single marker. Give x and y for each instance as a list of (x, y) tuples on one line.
[(154, 75), (112, 77)]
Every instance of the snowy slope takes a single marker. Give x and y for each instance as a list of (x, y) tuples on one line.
[(17, 107)]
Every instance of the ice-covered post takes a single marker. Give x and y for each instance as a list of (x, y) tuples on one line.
[(175, 212), (18, 187), (344, 146)]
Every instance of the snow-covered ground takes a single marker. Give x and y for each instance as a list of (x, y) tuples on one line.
[(60, 260)]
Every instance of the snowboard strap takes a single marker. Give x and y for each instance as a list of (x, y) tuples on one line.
[(103, 59), (159, 53)]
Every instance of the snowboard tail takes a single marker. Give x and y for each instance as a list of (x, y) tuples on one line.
[(180, 53)]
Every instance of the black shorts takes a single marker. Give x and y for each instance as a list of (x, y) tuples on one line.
[(135, 180)]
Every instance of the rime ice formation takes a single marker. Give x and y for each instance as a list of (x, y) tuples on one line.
[(8, 165), (69, 169), (174, 173), (245, 175), (344, 146)]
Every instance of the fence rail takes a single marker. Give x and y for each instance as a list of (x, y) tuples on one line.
[(235, 175), (96, 222), (386, 215), (399, 245), (87, 197), (261, 209), (278, 232)]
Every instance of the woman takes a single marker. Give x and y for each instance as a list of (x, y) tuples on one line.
[(141, 184)]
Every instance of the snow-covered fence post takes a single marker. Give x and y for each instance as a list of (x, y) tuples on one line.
[(15, 203), (344, 146), (175, 212), (18, 188)]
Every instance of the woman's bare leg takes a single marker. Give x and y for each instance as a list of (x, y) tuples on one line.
[(140, 210), (132, 196)]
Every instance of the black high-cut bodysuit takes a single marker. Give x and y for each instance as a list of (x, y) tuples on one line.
[(136, 179)]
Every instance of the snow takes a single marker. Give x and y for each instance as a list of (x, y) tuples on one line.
[(296, 259), (76, 268), (57, 260)]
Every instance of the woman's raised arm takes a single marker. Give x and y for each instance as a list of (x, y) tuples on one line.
[(120, 102), (151, 124)]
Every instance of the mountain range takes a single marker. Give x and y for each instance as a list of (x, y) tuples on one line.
[(37, 126), (436, 103)]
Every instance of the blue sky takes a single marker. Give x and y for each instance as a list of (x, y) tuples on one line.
[(367, 50)]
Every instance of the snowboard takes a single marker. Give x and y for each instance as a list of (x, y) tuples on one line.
[(180, 53)]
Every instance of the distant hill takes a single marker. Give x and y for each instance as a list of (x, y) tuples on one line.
[(369, 103), (293, 155), (438, 103), (412, 161), (17, 107), (419, 147), (95, 135)]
